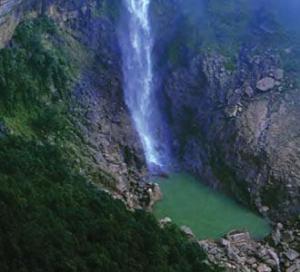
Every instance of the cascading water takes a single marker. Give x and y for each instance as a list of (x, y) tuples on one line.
[(136, 42)]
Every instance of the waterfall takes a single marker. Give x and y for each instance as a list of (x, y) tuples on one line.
[(136, 43)]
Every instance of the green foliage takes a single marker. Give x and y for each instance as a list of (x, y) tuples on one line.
[(51, 218), (51, 120), (230, 64), (33, 72)]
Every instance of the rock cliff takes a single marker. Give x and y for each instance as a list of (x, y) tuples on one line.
[(241, 138), (109, 146), (234, 115)]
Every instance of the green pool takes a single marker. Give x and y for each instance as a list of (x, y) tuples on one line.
[(209, 214)]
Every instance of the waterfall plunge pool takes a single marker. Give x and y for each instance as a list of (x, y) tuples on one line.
[(209, 214)]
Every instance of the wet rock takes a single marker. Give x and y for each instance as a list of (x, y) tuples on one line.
[(265, 84)]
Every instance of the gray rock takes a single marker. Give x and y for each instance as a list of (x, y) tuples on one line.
[(275, 260), (187, 231), (276, 236), (249, 91), (232, 111), (154, 194), (224, 242), (293, 268), (251, 261), (291, 254), (263, 268), (165, 221), (264, 209), (238, 237), (245, 144), (278, 74), (265, 84), (279, 226)]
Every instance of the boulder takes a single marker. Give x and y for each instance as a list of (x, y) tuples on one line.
[(249, 91), (294, 268), (154, 193), (265, 84), (276, 236), (165, 221), (292, 254), (263, 268), (187, 231), (239, 237)]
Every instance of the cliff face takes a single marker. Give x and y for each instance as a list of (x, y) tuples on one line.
[(109, 147), (111, 143), (241, 139), (234, 118), (234, 115), (11, 12)]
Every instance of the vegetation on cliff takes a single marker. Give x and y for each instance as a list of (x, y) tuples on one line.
[(209, 26), (52, 218)]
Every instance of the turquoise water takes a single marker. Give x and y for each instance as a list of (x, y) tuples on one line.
[(209, 214)]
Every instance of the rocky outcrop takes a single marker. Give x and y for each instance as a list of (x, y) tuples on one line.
[(233, 111), (230, 130), (238, 252), (111, 144), (109, 150), (11, 13), (265, 84)]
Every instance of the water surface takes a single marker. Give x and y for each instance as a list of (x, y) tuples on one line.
[(209, 214)]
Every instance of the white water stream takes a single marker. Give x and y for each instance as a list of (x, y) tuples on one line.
[(137, 45)]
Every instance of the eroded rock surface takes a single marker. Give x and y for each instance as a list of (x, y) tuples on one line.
[(235, 136), (237, 251), (110, 153)]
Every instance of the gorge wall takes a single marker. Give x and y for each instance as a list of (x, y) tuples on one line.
[(109, 151), (228, 95), (232, 100)]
